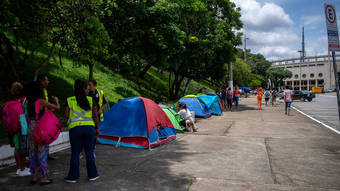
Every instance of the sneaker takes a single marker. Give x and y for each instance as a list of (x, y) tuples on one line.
[(94, 179), (17, 173), (24, 173), (81, 156), (70, 181)]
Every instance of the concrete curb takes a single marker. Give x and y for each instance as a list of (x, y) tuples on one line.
[(6, 151)]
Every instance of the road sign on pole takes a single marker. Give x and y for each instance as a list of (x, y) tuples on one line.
[(333, 44), (332, 28)]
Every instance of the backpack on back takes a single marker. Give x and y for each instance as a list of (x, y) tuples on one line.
[(11, 116), (48, 128)]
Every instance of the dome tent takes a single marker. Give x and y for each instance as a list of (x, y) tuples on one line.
[(136, 122), (195, 104)]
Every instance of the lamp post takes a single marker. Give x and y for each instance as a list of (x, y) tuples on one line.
[(301, 61), (245, 48)]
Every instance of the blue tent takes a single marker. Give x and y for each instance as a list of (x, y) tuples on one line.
[(244, 88), (195, 104), (212, 103), (136, 122)]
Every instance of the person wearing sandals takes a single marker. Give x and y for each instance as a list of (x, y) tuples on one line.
[(38, 153), (81, 112)]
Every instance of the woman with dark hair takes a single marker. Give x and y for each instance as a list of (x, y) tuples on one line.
[(81, 112), (38, 153), (186, 115)]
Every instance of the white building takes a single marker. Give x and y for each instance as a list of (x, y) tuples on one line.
[(316, 71)]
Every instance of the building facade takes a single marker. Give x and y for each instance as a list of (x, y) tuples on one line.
[(316, 71)]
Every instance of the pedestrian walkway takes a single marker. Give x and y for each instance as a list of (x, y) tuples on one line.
[(241, 150)]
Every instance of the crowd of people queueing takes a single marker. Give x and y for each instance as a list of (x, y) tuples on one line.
[(83, 111), (229, 97)]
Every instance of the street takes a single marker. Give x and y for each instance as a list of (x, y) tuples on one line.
[(322, 108), (246, 149)]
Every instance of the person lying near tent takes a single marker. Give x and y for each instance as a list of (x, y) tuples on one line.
[(189, 121)]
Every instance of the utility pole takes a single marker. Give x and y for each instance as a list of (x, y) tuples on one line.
[(245, 48), (302, 56)]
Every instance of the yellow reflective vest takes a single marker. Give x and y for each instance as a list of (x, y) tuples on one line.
[(78, 116), (46, 94), (100, 102)]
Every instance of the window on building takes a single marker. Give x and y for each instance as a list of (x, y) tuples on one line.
[(312, 75), (289, 67), (320, 75), (304, 75), (311, 65), (296, 66), (296, 76), (320, 64), (304, 66)]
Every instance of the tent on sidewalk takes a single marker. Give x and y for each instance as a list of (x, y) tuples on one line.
[(136, 122), (171, 114), (212, 103), (195, 104), (219, 100)]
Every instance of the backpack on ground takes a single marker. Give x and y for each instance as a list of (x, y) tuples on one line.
[(11, 116), (48, 128)]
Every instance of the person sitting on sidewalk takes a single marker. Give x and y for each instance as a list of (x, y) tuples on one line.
[(189, 121), (288, 99)]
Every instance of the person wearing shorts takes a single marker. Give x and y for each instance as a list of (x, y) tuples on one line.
[(288, 99)]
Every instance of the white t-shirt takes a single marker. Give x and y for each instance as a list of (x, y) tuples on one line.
[(185, 114)]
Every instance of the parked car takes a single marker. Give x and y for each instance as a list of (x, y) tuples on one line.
[(303, 95)]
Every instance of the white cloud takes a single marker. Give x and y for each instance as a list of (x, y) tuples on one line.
[(312, 19), (278, 52), (269, 29), (272, 38), (267, 17)]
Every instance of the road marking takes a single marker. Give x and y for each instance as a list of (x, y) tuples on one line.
[(320, 122)]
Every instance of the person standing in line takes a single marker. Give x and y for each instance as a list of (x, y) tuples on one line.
[(81, 112), (259, 98), (38, 153), (224, 95), (267, 96), (274, 95), (44, 82), (16, 92), (237, 96), (287, 97), (229, 99)]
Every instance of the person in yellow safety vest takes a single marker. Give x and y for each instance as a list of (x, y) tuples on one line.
[(81, 112), (43, 81), (98, 97), (259, 98)]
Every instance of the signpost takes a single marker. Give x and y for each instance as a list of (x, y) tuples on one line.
[(333, 44)]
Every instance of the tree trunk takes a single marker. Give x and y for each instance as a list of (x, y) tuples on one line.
[(60, 61), (143, 72), (7, 55), (90, 70), (25, 57), (44, 62), (178, 85)]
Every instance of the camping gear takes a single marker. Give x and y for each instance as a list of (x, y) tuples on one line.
[(48, 127), (219, 100), (175, 120), (212, 103), (244, 88), (195, 104), (136, 122)]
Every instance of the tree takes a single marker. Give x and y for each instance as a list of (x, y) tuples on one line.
[(277, 75), (241, 73)]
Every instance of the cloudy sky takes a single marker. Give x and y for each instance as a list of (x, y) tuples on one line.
[(274, 27)]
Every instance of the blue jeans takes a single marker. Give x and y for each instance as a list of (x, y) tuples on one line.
[(82, 137), (236, 100)]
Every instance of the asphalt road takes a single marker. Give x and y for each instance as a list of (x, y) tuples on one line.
[(322, 108)]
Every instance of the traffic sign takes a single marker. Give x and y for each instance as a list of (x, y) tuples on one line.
[(332, 28)]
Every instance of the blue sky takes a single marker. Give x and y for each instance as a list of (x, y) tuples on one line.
[(274, 26)]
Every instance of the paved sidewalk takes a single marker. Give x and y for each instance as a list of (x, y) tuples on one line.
[(242, 150)]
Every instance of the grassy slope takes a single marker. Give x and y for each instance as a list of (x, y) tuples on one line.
[(115, 86)]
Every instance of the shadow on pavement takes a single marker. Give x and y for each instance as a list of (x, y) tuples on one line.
[(119, 169)]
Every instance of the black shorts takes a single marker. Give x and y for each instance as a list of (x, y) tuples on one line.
[(266, 99)]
